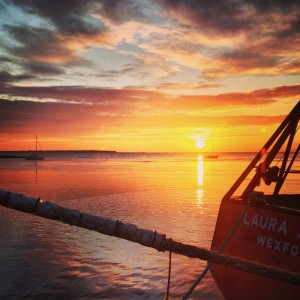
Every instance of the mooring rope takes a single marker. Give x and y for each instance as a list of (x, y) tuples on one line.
[(220, 249), (135, 234), (169, 276), (233, 262)]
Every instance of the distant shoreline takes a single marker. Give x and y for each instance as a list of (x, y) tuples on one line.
[(20, 151), (11, 156), (24, 153)]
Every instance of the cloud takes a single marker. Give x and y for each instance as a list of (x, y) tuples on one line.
[(83, 95), (63, 113), (132, 102), (93, 95), (122, 11), (228, 17), (38, 44), (43, 68), (57, 33), (50, 118), (186, 85), (75, 120), (69, 17), (6, 77), (152, 41), (221, 101), (111, 74), (215, 16), (266, 40)]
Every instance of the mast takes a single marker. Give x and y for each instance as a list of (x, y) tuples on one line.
[(36, 146), (286, 130)]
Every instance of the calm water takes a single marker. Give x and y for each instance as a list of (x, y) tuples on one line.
[(175, 194)]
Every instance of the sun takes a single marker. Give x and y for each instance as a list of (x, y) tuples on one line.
[(200, 143)]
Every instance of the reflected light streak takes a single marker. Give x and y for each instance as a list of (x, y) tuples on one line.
[(200, 191), (200, 194), (200, 170)]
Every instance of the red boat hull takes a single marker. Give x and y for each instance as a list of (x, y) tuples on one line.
[(266, 234)]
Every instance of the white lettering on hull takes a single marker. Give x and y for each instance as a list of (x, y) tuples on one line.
[(277, 245), (272, 225), (265, 222)]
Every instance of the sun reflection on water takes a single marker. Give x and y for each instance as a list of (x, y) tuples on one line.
[(200, 191), (200, 170)]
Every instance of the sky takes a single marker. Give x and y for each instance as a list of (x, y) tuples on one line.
[(147, 75)]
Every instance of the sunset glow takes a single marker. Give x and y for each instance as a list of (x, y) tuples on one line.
[(146, 75)]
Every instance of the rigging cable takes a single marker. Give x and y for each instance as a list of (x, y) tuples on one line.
[(169, 277), (280, 159), (221, 248)]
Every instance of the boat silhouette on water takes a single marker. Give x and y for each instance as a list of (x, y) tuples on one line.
[(262, 227), (211, 155), (35, 155)]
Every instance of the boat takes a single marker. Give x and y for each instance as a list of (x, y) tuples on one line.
[(261, 224), (212, 154), (35, 156)]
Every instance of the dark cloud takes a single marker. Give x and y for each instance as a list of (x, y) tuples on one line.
[(83, 95), (36, 42), (187, 85), (266, 41), (291, 30), (214, 15), (69, 16), (5, 59), (90, 110), (232, 16), (43, 68), (129, 100), (278, 92), (69, 21), (37, 48), (114, 73), (18, 116), (255, 98), (245, 60), (249, 58), (269, 33), (122, 11), (268, 6), (6, 77), (187, 121), (24, 116)]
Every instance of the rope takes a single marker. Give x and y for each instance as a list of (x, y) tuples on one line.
[(197, 281), (169, 277), (237, 263), (221, 248), (141, 236)]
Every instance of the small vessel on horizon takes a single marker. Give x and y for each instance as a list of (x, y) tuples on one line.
[(35, 156), (212, 154)]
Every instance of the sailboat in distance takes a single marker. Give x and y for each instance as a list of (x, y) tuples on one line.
[(212, 154), (35, 156)]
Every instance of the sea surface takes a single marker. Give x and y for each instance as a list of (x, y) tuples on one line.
[(175, 194)]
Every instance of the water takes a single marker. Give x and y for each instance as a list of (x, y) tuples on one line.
[(175, 194)]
